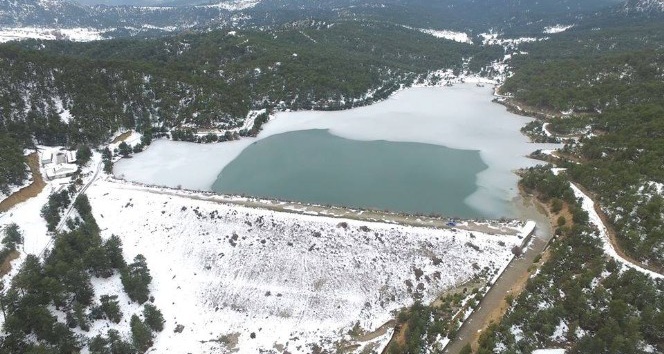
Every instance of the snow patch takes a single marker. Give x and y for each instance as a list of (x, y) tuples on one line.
[(557, 29), (549, 351), (71, 34), (132, 140), (233, 5), (461, 37), (652, 186), (560, 332), (64, 113), (493, 38)]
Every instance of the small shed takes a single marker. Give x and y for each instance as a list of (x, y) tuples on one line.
[(71, 156), (46, 157)]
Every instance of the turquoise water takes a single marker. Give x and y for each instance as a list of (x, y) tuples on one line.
[(315, 166)]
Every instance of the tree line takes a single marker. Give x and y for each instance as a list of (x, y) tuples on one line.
[(61, 282)]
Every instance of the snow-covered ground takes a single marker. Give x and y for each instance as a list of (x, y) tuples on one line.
[(493, 38), (461, 37), (649, 188), (545, 130), (27, 215), (234, 5), (589, 206), (557, 29), (549, 351), (72, 34), (64, 113), (132, 140), (227, 271)]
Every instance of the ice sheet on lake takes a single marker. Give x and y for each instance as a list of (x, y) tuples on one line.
[(459, 117)]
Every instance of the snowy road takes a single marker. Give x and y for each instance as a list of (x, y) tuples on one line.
[(65, 216), (589, 206)]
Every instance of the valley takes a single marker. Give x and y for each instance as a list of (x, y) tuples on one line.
[(285, 176)]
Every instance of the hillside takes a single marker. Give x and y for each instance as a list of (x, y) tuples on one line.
[(602, 92), (162, 17), (71, 93), (611, 81)]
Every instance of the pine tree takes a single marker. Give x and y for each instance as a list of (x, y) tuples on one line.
[(12, 237), (124, 149), (113, 248), (111, 307), (117, 344), (153, 318), (136, 278), (141, 335), (83, 155)]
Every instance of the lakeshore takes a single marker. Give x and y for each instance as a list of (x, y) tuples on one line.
[(461, 118)]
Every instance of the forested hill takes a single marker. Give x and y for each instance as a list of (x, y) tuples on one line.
[(68, 14), (464, 15), (613, 80), (609, 77), (70, 93), (512, 17)]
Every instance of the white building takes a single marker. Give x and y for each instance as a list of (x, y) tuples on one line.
[(58, 163), (71, 156), (61, 171), (46, 157)]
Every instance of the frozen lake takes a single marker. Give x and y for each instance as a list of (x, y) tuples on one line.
[(461, 118), (408, 177)]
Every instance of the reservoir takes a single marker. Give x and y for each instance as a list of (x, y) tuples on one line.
[(315, 166), (443, 150)]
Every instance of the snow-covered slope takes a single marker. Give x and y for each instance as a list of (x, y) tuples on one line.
[(557, 28), (21, 13), (225, 272), (645, 5), (114, 21), (233, 5), (71, 34), (451, 35)]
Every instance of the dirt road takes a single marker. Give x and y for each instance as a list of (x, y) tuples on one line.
[(29, 191), (512, 280)]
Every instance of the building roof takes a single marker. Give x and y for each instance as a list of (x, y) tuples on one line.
[(59, 171), (71, 156), (46, 156)]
